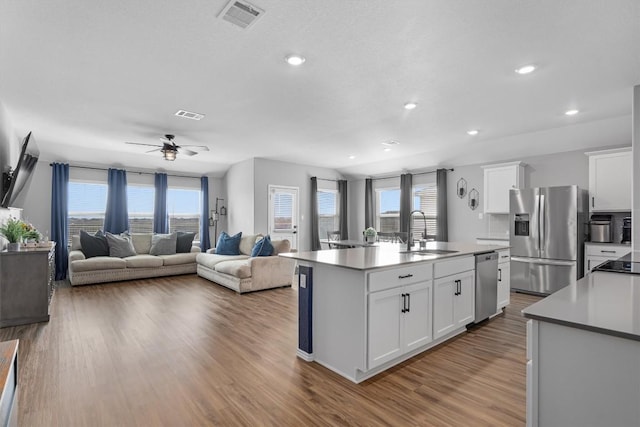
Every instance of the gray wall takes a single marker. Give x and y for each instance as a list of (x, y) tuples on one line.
[(238, 183)]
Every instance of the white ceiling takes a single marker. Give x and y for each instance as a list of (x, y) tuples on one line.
[(86, 76)]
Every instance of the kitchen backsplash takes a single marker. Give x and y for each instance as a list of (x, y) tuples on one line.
[(616, 223)]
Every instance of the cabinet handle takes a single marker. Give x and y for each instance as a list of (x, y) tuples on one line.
[(408, 303), (499, 275), (406, 276), (589, 265), (404, 303), (592, 201), (457, 287), (608, 252)]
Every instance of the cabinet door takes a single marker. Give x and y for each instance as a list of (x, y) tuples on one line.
[(497, 183), (504, 284), (417, 327), (443, 297), (610, 181), (464, 303), (593, 261), (385, 311)]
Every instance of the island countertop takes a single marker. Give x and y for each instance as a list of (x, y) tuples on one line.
[(603, 302), (388, 255)]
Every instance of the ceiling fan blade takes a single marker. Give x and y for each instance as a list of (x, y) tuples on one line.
[(146, 145), (199, 147), (186, 152), (154, 150)]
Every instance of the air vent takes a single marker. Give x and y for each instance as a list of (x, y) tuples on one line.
[(241, 13), (189, 115)]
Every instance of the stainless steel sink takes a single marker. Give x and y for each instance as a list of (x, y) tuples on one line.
[(430, 252)]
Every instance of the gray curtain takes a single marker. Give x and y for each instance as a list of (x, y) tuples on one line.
[(344, 220), (369, 212), (405, 202), (441, 206), (315, 236)]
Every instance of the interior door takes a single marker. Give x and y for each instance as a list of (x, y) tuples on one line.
[(283, 214)]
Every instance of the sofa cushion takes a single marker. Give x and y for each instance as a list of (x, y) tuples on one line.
[(263, 247), (75, 243), (178, 259), (141, 242), (143, 261), (93, 246), (184, 242), (98, 263), (238, 268), (163, 244), (248, 242), (228, 245), (120, 246), (281, 246), (210, 260)]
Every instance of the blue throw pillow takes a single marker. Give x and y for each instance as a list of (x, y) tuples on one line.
[(228, 245), (263, 247)]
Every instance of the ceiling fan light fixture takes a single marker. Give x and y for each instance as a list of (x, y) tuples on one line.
[(169, 154)]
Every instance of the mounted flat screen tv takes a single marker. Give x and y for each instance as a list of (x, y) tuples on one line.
[(16, 180)]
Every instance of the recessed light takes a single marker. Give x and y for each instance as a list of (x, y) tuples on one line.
[(352, 157), (473, 132), (410, 105), (571, 112), (526, 69), (295, 60), (387, 149)]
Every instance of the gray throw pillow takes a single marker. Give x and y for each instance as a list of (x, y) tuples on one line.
[(163, 244), (184, 242), (120, 247), (95, 245)]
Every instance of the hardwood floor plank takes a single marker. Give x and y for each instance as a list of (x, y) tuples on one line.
[(181, 350)]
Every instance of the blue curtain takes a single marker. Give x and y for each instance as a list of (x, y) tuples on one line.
[(59, 216), (116, 217), (160, 216), (204, 215)]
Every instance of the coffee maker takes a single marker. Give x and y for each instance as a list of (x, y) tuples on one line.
[(626, 230)]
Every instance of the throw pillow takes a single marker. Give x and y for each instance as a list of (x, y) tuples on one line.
[(263, 247), (228, 245), (184, 242), (163, 244), (95, 245), (120, 246)]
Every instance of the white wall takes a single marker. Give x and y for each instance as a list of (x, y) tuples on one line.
[(239, 187), (273, 172)]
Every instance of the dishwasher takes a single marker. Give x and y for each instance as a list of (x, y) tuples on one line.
[(486, 285)]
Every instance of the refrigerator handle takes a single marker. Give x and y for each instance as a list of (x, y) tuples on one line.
[(536, 216), (541, 224)]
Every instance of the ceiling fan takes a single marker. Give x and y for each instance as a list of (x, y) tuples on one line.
[(169, 149)]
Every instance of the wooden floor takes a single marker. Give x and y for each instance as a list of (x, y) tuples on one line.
[(183, 351)]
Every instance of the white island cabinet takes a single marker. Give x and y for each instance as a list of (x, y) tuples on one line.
[(363, 310)]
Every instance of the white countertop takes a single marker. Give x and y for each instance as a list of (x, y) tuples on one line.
[(603, 302), (387, 254), (608, 244)]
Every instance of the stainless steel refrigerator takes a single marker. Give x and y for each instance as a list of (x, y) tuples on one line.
[(547, 234)]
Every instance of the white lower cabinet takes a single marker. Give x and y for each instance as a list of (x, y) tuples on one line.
[(453, 302), (597, 253), (399, 321), (504, 282)]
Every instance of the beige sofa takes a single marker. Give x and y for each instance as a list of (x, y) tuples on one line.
[(244, 273), (101, 269)]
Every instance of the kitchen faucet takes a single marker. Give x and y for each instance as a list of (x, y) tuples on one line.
[(424, 233)]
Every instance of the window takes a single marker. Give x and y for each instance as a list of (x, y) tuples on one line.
[(425, 199), (87, 204), (140, 201), (282, 211), (388, 210), (183, 206), (328, 219)]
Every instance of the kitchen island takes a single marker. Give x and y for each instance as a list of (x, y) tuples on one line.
[(583, 351), (363, 310)]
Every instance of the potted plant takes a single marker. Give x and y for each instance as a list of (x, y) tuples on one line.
[(370, 235), (12, 231)]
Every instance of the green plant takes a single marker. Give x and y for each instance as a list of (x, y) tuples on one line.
[(12, 230), (370, 232)]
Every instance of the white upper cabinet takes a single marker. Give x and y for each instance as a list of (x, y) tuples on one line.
[(498, 180), (610, 180)]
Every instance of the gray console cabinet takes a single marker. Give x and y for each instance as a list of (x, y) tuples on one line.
[(26, 285)]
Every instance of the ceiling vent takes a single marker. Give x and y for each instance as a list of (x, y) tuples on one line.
[(241, 13), (189, 115)]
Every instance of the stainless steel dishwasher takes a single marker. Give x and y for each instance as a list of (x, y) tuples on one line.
[(486, 285)]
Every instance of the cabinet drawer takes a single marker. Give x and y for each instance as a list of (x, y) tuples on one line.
[(456, 265), (610, 251), (392, 278), (504, 256)]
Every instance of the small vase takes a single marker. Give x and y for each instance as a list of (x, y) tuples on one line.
[(370, 239), (13, 247)]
